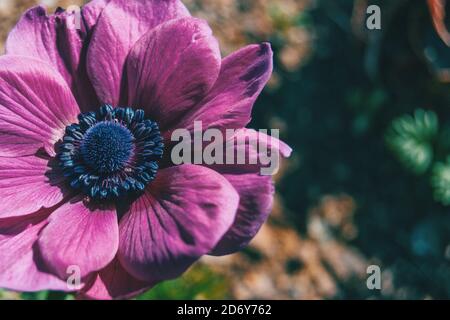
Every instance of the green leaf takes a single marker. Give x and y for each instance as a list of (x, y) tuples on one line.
[(199, 283), (411, 139), (440, 180)]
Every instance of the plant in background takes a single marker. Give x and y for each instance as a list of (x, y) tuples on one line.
[(414, 140), (440, 181), (411, 139), (83, 180)]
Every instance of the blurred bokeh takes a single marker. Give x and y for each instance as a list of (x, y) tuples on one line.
[(368, 115)]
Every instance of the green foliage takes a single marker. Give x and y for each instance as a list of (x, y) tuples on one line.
[(411, 139), (46, 295), (440, 180), (199, 283), (414, 140)]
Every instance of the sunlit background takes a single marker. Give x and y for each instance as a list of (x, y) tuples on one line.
[(368, 115)]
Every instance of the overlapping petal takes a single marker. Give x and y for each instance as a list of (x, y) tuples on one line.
[(256, 199), (251, 151), (114, 282), (21, 268), (80, 236), (229, 104), (180, 217), (35, 106), (59, 40), (120, 25), (28, 184), (172, 68), (254, 186), (90, 13)]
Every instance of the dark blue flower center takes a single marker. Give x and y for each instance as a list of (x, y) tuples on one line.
[(111, 153), (107, 147)]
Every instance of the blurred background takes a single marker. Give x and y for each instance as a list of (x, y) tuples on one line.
[(368, 115)]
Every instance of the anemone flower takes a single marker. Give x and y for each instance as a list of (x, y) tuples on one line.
[(87, 105)]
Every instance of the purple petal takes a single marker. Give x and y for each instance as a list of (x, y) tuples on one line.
[(20, 265), (91, 12), (172, 68), (180, 217), (56, 40), (35, 106), (256, 198), (254, 144), (79, 236), (255, 191), (120, 25), (114, 282), (242, 77), (27, 184)]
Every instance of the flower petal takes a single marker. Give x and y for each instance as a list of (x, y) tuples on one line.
[(27, 184), (120, 25), (261, 151), (180, 217), (79, 236), (256, 199), (58, 40), (114, 282), (91, 12), (20, 266), (35, 106), (242, 77), (172, 68), (255, 190)]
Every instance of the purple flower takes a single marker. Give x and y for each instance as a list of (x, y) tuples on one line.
[(86, 183)]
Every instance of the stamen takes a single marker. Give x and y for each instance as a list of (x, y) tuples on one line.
[(107, 147), (111, 153)]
